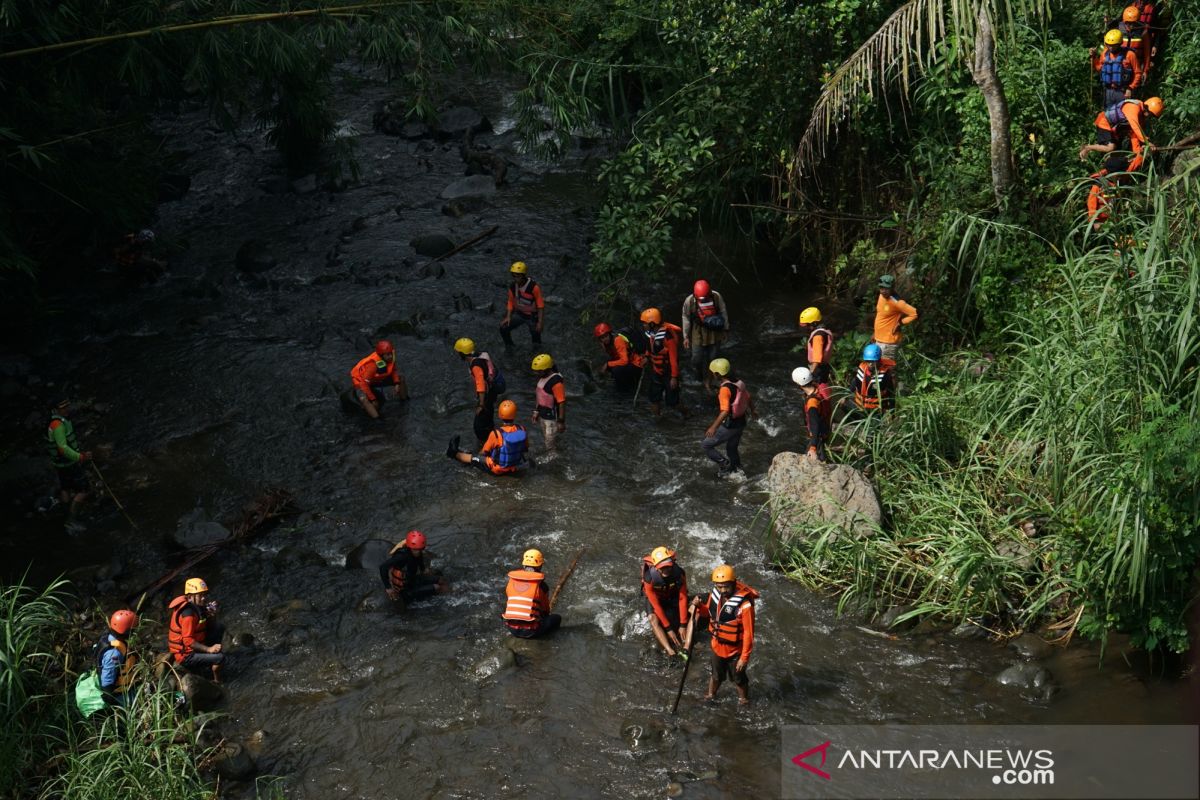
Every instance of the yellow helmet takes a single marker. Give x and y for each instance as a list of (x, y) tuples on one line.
[(465, 346), (518, 268), (1113, 37), (810, 315), (660, 554), (723, 574), (532, 558), (195, 586), (719, 366), (541, 362)]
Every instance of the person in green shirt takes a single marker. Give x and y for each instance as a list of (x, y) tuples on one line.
[(68, 460)]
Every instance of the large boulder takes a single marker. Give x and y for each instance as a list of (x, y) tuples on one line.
[(432, 244), (807, 494), (369, 555), (196, 530), (460, 120), (473, 186), (201, 694)]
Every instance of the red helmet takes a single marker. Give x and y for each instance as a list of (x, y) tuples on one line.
[(415, 540), (701, 288), (122, 622), (602, 329), (383, 347)]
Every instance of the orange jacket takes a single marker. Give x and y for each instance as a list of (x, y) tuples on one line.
[(731, 622), (1133, 115), (890, 314), (184, 629), (527, 599), (374, 371), (620, 354), (662, 349), (1131, 62), (662, 590)]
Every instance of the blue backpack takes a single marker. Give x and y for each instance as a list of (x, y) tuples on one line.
[(511, 452)]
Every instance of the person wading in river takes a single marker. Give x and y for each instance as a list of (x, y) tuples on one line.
[(489, 384), (193, 634), (705, 323), (504, 451), (406, 574), (623, 364), (551, 397), (527, 599), (733, 405), (665, 585), (524, 305), (729, 611), (68, 461), (662, 353), (373, 373)]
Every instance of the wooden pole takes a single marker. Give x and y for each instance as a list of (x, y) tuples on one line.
[(686, 664), (108, 489), (563, 580)]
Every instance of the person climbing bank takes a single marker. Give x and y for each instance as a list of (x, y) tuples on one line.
[(527, 599), (873, 387), (729, 611), (662, 353), (890, 313), (372, 374), (817, 413), (524, 305), (1127, 119), (406, 574), (734, 403), (114, 662), (623, 364), (705, 327), (550, 394), (1119, 68), (67, 460), (664, 583), (193, 633), (503, 453), (488, 382)]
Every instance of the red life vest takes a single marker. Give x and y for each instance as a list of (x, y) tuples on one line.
[(522, 608), (524, 300), (175, 642), (706, 306), (657, 344), (869, 394)]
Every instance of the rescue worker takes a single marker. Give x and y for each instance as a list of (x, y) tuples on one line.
[(729, 610), (705, 326), (371, 374), (1112, 174), (504, 451), (819, 345), (489, 384), (873, 387), (1135, 36), (1146, 16), (890, 313), (527, 600), (623, 364), (664, 583), (193, 634), (817, 413), (1119, 68), (662, 353), (133, 261), (406, 574), (550, 395), (1127, 119), (525, 305), (68, 461), (114, 662), (733, 404)]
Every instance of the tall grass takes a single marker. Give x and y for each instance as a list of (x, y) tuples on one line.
[(1063, 482)]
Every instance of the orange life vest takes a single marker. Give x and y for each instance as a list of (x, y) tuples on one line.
[(724, 616), (175, 641), (658, 345), (522, 609)]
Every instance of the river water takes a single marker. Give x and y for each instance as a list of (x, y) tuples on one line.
[(217, 385)]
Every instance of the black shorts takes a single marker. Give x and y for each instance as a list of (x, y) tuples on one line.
[(660, 387), (72, 478), (724, 669), (547, 624), (379, 392), (671, 610), (1106, 136)]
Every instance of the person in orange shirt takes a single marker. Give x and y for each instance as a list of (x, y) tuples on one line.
[(504, 451), (525, 305), (374, 372), (527, 599), (489, 384), (890, 313), (662, 352), (551, 399), (1128, 119), (735, 407), (664, 583), (819, 345), (1119, 68), (623, 363), (730, 615)]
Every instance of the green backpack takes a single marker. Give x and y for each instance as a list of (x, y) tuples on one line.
[(88, 697)]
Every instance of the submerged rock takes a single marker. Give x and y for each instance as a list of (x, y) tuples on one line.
[(807, 494), (369, 555), (233, 763), (201, 694), (473, 186), (1026, 676), (292, 557), (432, 244), (459, 120)]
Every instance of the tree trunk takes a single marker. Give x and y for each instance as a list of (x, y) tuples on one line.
[(988, 81)]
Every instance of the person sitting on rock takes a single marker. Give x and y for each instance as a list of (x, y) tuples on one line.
[(504, 451), (193, 634), (527, 599), (406, 574)]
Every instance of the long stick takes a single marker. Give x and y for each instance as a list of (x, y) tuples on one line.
[(639, 386), (465, 245), (687, 663), (563, 580), (108, 489)]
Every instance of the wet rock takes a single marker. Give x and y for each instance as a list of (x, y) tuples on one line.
[(254, 742), (967, 630), (305, 185), (374, 601), (462, 206), (806, 494), (674, 789), (293, 557), (472, 186), (1030, 647), (459, 120), (173, 187), (255, 256), (201, 694), (243, 640), (397, 327), (889, 617), (289, 608), (463, 302), (1026, 676), (233, 763), (432, 271), (195, 530), (496, 662), (432, 244), (369, 555)]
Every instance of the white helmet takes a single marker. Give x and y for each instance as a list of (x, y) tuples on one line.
[(802, 376)]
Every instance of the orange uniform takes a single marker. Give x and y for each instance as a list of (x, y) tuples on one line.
[(372, 372), (526, 298), (731, 621), (890, 313), (504, 450), (527, 599), (662, 349), (620, 354)]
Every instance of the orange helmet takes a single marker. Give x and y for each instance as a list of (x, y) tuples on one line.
[(507, 411), (1131, 14), (723, 574), (1154, 105), (652, 316), (122, 622)]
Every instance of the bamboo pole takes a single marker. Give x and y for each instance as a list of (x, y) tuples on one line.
[(563, 580)]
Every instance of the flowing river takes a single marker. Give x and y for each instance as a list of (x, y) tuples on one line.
[(215, 384)]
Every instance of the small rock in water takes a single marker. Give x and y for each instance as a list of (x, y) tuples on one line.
[(1030, 647), (1025, 676), (633, 734), (432, 244), (233, 763), (369, 555), (373, 601), (674, 789)]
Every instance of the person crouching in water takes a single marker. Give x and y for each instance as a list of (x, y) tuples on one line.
[(527, 600), (665, 585), (504, 451), (406, 574)]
